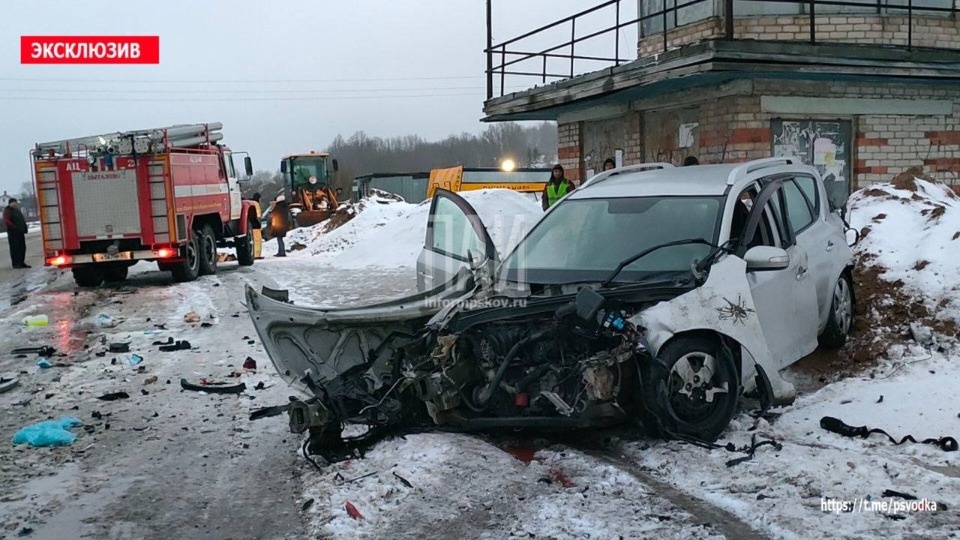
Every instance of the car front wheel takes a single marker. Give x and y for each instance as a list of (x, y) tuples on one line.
[(840, 320), (694, 388)]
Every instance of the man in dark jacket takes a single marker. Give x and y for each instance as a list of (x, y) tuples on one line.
[(556, 187), (280, 223), (16, 233)]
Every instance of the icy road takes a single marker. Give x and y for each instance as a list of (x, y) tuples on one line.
[(168, 463)]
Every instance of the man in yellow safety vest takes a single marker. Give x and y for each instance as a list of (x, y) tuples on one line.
[(556, 188)]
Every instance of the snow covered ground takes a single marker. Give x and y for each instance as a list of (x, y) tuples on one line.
[(389, 233), (169, 463)]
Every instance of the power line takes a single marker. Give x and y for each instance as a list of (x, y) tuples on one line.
[(216, 81), (288, 91), (187, 99)]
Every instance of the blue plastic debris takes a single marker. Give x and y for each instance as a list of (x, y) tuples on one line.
[(44, 363), (134, 359), (48, 433), (103, 319)]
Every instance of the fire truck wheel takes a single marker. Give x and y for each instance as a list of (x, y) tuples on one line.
[(115, 273), (207, 243), (87, 276), (244, 247), (189, 269)]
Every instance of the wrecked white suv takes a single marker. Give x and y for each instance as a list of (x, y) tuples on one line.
[(651, 293)]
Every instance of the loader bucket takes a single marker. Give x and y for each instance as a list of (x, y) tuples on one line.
[(312, 217)]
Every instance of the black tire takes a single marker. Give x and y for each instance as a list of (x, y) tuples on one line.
[(686, 408), (115, 273), (207, 243), (189, 269), (87, 276), (840, 320), (244, 248)]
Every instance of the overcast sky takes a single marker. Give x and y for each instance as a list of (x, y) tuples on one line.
[(283, 77)]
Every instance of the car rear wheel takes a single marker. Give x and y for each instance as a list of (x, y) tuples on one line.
[(207, 243), (840, 320), (87, 276), (189, 269), (700, 388)]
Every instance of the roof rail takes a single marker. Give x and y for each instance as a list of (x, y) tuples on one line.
[(757, 164), (628, 168)]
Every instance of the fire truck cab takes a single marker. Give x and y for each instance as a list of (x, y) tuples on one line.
[(168, 195)]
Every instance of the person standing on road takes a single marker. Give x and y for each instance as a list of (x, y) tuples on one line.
[(556, 187), (16, 233), (257, 233), (280, 223)]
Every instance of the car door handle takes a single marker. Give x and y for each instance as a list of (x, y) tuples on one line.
[(829, 245), (801, 273)]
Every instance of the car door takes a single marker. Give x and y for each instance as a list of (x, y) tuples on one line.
[(785, 300), (820, 239), (455, 234)]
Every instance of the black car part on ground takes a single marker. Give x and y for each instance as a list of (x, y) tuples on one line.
[(835, 425)]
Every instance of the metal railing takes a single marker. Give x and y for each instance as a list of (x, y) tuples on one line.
[(513, 56)]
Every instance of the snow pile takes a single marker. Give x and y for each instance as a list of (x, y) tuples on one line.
[(390, 233), (911, 233)]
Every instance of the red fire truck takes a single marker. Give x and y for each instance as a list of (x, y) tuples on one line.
[(168, 195)]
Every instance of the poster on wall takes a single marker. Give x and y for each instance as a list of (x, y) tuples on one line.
[(686, 139), (825, 145)]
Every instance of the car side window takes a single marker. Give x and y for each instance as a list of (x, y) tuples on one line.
[(763, 235), (776, 209), (808, 185), (452, 233), (799, 212)]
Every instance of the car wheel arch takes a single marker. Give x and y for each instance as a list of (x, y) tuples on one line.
[(735, 347)]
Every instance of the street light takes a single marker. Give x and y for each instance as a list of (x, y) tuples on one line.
[(508, 165)]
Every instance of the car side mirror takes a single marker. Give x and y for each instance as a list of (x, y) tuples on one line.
[(283, 166), (761, 258), (248, 165)]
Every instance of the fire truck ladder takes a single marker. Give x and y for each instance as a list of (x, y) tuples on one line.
[(141, 141)]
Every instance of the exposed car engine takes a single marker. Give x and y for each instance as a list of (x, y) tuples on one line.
[(566, 369)]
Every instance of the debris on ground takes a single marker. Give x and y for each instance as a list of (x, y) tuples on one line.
[(180, 345), (191, 317), (44, 363), (8, 383), (35, 320), (267, 412), (249, 363), (48, 433), (119, 347), (212, 387), (104, 321), (134, 359), (39, 351), (352, 511), (150, 380), (113, 396)]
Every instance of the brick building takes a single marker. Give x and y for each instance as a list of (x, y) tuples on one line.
[(861, 91)]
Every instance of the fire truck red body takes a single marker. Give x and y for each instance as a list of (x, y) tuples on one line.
[(168, 195)]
